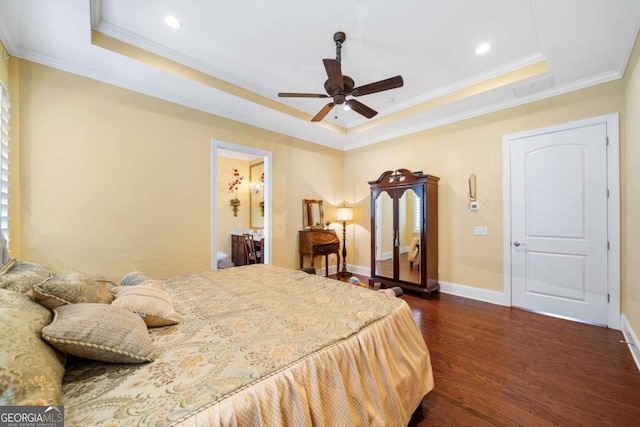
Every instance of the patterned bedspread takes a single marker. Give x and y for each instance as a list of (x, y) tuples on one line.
[(263, 345)]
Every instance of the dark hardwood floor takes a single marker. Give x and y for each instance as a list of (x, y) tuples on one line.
[(407, 272), (498, 366)]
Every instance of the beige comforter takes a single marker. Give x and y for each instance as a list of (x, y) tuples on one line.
[(261, 345)]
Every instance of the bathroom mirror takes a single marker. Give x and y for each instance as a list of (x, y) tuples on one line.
[(312, 214), (256, 200)]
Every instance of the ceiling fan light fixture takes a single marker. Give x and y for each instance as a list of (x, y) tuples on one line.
[(483, 48), (172, 22), (339, 86)]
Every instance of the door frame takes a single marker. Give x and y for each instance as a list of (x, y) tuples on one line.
[(268, 173), (613, 206)]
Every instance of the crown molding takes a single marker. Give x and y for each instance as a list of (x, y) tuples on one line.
[(534, 58), (252, 115), (95, 7), (550, 93)]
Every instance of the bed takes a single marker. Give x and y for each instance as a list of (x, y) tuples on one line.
[(262, 345)]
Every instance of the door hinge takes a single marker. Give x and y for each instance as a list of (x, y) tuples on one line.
[(607, 193), (608, 246), (608, 298), (607, 140)]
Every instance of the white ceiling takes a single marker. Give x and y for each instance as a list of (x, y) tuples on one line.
[(278, 46)]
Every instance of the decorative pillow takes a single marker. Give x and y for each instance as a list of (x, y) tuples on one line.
[(7, 266), (71, 288), (100, 332), (149, 300), (134, 278), (30, 372), (23, 276), (6, 262)]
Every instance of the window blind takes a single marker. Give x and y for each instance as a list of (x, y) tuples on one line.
[(417, 217), (4, 161)]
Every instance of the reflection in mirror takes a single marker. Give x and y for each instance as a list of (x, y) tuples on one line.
[(409, 232), (384, 235), (312, 214), (256, 201)]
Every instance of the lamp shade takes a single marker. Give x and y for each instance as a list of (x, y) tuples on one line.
[(344, 214)]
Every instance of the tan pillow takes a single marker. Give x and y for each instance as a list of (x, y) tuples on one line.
[(6, 262), (71, 288), (8, 266), (23, 276), (149, 300), (30, 372), (100, 332)]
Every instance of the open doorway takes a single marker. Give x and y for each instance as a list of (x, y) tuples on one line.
[(224, 150)]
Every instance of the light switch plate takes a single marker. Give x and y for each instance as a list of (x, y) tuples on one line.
[(480, 231)]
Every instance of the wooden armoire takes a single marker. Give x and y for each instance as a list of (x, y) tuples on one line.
[(404, 231)]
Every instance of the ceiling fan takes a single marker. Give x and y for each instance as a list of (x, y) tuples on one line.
[(339, 86)]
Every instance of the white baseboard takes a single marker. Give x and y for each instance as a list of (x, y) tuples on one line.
[(631, 338), (355, 269), (493, 297), (486, 295), (332, 270), (358, 269)]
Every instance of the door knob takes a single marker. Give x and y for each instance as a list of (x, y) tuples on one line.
[(516, 243)]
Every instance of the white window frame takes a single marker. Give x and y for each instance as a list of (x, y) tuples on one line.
[(4, 160), (417, 213)]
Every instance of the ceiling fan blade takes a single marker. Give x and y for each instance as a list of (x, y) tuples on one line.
[(390, 83), (359, 107), (302, 95), (325, 110), (334, 72)]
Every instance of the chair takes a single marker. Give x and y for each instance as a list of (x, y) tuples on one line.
[(414, 252), (250, 249)]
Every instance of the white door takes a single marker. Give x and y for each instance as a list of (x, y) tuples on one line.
[(559, 223)]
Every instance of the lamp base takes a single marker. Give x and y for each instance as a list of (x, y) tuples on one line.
[(343, 274)]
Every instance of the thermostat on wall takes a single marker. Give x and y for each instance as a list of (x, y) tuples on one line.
[(473, 206)]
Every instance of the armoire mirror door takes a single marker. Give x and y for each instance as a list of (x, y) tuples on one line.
[(384, 235), (409, 219)]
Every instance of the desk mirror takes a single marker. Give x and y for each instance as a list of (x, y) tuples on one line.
[(312, 215)]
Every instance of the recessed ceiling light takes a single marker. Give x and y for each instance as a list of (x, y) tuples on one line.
[(483, 48), (172, 21)]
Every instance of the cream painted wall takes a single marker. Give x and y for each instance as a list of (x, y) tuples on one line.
[(630, 193), (452, 153), (226, 221), (114, 181)]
